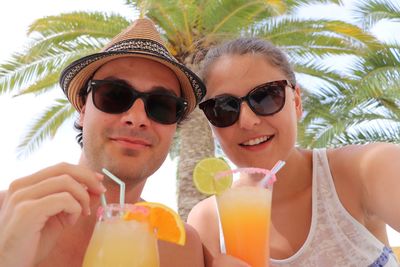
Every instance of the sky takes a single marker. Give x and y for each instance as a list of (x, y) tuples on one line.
[(16, 114)]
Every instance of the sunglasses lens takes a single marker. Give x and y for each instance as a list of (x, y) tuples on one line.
[(221, 111), (112, 98), (166, 109), (264, 100), (267, 99)]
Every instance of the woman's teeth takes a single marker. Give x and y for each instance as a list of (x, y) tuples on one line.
[(256, 141)]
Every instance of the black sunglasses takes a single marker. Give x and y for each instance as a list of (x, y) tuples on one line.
[(116, 97), (265, 99)]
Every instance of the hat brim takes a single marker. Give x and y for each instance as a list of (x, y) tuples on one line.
[(75, 77)]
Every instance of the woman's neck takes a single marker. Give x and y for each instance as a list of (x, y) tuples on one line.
[(296, 175)]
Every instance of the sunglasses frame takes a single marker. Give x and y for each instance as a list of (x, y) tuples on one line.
[(282, 84), (135, 95)]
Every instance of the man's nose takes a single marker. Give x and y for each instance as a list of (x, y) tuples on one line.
[(136, 116)]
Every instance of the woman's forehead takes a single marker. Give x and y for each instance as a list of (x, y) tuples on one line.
[(238, 74)]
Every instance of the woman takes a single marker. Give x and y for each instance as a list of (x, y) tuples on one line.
[(330, 207)]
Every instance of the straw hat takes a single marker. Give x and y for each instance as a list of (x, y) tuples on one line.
[(141, 39)]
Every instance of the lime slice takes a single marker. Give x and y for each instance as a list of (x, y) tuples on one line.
[(204, 176)]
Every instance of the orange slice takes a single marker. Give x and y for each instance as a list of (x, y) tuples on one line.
[(167, 223), (139, 213)]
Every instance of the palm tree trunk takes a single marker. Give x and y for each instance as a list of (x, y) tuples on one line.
[(196, 143)]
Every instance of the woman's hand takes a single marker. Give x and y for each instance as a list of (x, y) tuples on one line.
[(224, 260)]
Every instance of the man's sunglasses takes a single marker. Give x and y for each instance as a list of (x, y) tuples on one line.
[(265, 99), (116, 97)]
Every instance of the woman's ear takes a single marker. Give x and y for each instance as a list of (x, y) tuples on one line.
[(297, 101)]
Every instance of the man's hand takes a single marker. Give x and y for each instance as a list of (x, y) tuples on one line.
[(37, 208)]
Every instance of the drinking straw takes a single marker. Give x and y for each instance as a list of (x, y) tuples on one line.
[(121, 185), (103, 200), (267, 179), (221, 232)]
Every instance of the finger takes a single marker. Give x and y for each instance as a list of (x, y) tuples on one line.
[(62, 183), (85, 176), (35, 213)]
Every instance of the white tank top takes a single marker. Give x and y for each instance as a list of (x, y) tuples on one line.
[(335, 237)]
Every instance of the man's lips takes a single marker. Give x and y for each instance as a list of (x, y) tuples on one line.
[(132, 142)]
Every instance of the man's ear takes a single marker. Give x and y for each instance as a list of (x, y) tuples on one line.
[(297, 101), (82, 116)]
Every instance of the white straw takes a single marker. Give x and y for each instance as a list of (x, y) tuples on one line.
[(103, 200), (222, 244), (266, 180), (121, 185)]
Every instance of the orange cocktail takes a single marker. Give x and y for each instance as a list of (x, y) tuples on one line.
[(245, 217)]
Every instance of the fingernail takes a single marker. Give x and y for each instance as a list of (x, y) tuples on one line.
[(103, 188), (99, 176)]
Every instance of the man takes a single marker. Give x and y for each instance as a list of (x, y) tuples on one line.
[(129, 97)]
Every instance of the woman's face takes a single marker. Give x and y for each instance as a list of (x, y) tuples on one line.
[(254, 141)]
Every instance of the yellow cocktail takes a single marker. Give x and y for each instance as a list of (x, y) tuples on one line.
[(245, 217), (117, 242)]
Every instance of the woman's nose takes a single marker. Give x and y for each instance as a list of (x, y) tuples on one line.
[(247, 118)]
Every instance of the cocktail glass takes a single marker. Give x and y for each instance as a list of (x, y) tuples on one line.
[(245, 218), (117, 242), (244, 211)]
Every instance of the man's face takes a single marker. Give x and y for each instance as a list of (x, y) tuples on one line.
[(130, 144)]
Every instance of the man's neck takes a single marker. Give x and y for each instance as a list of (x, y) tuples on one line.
[(132, 191)]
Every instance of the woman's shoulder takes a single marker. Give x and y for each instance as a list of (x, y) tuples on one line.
[(365, 168), (204, 218), (363, 177), (2, 197), (204, 208), (355, 155)]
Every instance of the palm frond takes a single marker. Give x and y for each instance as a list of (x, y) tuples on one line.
[(294, 4), (45, 126), (384, 59), (54, 42), (369, 12), (333, 79), (330, 126), (232, 16), (307, 35), (41, 85), (377, 131), (96, 24)]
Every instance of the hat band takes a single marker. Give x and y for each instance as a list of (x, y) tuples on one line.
[(143, 45)]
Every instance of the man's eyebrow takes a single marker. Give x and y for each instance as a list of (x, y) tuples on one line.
[(115, 79), (162, 89)]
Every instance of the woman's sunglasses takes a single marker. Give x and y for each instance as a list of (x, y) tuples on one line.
[(115, 97), (265, 99)]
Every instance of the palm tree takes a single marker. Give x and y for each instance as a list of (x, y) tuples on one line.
[(364, 107), (190, 28)]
